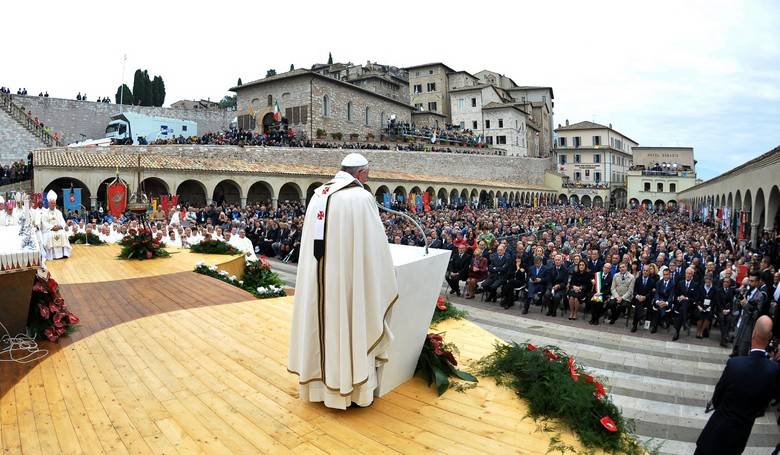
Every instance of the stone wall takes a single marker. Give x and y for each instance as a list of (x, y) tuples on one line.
[(73, 118), (289, 92), (339, 120), (16, 141)]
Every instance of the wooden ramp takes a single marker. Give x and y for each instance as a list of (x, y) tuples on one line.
[(182, 363)]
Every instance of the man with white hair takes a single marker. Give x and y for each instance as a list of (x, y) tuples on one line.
[(345, 291), (55, 237), (243, 244)]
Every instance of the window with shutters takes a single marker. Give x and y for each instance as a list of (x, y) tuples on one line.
[(647, 186), (501, 140), (325, 106), (270, 100), (500, 123), (349, 111), (296, 118), (304, 114), (474, 124), (432, 106), (368, 112), (487, 124), (288, 114)]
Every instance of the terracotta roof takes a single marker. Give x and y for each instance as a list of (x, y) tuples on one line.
[(227, 160)]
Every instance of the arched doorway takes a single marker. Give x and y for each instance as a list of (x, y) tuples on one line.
[(192, 192), (63, 183), (227, 192), (598, 201), (380, 194), (772, 212), (154, 187), (259, 193), (399, 194), (562, 199), (574, 199), (442, 194), (659, 205), (758, 210), (289, 192), (647, 204), (585, 201), (671, 205)]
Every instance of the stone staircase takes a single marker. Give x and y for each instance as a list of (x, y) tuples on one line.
[(18, 133), (24, 186), (663, 385)]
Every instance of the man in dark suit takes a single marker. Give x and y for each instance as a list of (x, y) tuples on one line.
[(537, 283), (686, 294), (458, 269), (664, 300), (559, 279), (595, 263), (725, 308), (745, 388), (498, 269), (644, 289)]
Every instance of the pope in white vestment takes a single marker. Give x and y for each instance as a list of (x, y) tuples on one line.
[(55, 236), (345, 291), (244, 245)]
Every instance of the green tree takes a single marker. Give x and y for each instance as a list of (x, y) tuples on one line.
[(239, 83), (126, 97), (271, 72), (228, 102), (139, 87), (148, 98), (158, 91), (292, 67), (330, 58)]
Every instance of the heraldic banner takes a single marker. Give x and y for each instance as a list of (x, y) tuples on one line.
[(117, 198), (71, 199)]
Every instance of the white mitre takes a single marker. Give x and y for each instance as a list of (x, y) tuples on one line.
[(51, 196), (354, 160)]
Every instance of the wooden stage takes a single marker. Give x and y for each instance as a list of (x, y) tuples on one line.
[(169, 361)]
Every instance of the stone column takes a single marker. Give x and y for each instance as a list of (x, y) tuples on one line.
[(754, 234), (208, 201), (275, 203), (243, 202), (303, 202), (93, 202)]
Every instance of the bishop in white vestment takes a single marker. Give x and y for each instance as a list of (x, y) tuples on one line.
[(244, 245), (344, 294), (55, 236)]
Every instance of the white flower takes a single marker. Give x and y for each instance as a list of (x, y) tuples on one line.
[(200, 264), (213, 268), (223, 272), (233, 278), (261, 290), (240, 282)]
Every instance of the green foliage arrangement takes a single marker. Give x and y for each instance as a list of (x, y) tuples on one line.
[(83, 238), (556, 387), (437, 363), (259, 279), (445, 310), (141, 245), (214, 247)]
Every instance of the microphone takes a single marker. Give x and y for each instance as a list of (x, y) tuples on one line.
[(414, 221)]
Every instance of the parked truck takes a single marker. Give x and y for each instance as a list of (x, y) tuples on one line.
[(129, 125)]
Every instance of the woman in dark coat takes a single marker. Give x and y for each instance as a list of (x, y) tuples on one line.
[(579, 288)]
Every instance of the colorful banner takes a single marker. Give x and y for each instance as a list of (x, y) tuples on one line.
[(174, 201), (426, 200), (71, 199), (386, 198), (419, 204), (117, 198), (165, 202)]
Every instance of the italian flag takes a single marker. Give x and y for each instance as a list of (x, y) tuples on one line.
[(277, 112), (598, 282)]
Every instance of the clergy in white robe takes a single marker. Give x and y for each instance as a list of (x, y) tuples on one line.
[(345, 291), (244, 245), (55, 236)]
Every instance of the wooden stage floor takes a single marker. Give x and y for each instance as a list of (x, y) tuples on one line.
[(171, 361)]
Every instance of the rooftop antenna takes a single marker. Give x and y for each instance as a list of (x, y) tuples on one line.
[(122, 84)]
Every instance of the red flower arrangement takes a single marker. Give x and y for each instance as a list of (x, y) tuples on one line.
[(49, 316), (445, 310), (139, 244), (609, 424), (437, 363), (441, 303), (532, 347)]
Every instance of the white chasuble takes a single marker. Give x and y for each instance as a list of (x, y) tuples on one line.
[(55, 243), (345, 291)]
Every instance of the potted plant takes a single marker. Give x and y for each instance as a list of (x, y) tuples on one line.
[(320, 133)]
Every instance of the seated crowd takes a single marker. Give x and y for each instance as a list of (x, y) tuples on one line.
[(658, 270)]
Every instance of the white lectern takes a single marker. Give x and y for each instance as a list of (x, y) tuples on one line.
[(419, 283)]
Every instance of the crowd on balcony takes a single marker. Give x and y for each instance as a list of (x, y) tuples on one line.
[(17, 171), (593, 186), (450, 133), (289, 138)]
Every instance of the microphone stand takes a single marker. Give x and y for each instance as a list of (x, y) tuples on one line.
[(414, 221)]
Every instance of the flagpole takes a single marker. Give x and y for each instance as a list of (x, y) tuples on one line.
[(122, 84)]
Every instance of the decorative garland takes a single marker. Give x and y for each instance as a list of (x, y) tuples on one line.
[(437, 363), (556, 387), (259, 279), (141, 245), (82, 238), (214, 247), (446, 310), (49, 316)]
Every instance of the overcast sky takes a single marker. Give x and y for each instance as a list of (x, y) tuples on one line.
[(673, 73)]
